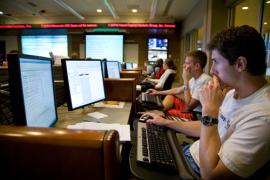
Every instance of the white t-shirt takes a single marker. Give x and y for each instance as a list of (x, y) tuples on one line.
[(195, 86), (161, 81), (244, 130)]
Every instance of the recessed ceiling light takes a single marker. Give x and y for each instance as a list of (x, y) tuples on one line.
[(99, 10), (1, 12), (134, 10), (265, 23), (245, 8), (267, 2)]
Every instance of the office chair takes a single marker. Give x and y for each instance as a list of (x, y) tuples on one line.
[(54, 153)]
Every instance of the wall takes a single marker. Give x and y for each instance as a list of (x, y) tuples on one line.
[(11, 42)]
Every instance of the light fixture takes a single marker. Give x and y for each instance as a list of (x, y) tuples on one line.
[(134, 10), (265, 23), (1, 12), (68, 8), (153, 9), (245, 8), (267, 2), (111, 8), (99, 10)]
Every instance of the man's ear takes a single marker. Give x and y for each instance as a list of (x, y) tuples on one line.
[(241, 64)]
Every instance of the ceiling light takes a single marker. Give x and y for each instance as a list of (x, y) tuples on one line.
[(267, 2), (1, 12), (244, 8), (99, 10), (265, 23), (134, 10)]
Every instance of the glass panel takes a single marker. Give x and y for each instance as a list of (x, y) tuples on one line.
[(247, 12), (266, 32)]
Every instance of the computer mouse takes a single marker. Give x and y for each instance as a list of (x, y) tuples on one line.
[(144, 118)]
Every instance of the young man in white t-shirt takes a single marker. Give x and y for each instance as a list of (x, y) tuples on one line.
[(194, 78), (234, 131)]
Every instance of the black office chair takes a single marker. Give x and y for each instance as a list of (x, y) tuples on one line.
[(6, 116), (169, 81)]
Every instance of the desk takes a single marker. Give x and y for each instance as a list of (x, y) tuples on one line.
[(66, 117)]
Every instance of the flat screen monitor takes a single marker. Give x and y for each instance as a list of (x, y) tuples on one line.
[(157, 48), (129, 65), (109, 46), (113, 69), (32, 90), (41, 45), (104, 68), (83, 82)]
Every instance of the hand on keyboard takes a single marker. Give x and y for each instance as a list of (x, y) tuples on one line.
[(156, 119), (145, 117), (152, 91)]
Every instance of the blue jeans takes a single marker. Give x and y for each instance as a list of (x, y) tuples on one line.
[(190, 160)]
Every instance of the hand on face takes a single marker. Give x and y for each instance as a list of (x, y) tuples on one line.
[(211, 98), (186, 75)]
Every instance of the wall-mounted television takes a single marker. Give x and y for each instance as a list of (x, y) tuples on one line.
[(41, 45), (105, 46), (157, 48)]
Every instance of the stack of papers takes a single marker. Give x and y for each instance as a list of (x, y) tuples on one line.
[(123, 130)]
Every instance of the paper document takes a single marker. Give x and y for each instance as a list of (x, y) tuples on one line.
[(110, 104), (97, 115), (123, 130)]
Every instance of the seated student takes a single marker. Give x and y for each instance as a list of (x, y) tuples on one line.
[(148, 69), (159, 83), (234, 132), (194, 78), (158, 69)]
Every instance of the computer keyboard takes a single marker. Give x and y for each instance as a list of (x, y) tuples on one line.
[(176, 118), (153, 149), (147, 97)]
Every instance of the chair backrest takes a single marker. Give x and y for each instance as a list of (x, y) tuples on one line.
[(132, 74), (123, 89), (169, 81), (53, 153)]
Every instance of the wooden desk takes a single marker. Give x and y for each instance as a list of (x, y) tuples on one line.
[(66, 117)]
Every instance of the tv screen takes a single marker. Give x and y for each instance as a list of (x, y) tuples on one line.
[(129, 65), (83, 82), (41, 45), (157, 48), (100, 46), (32, 90), (113, 69)]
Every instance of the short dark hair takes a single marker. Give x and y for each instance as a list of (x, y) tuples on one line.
[(170, 64), (241, 41), (200, 57)]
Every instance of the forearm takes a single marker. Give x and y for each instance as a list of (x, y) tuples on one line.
[(209, 147), (187, 94), (173, 91), (191, 128)]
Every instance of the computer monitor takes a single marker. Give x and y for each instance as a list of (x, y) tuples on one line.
[(113, 69), (32, 90), (129, 65), (83, 82)]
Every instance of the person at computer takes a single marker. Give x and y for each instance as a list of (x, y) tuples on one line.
[(158, 70), (234, 131), (169, 67), (194, 78)]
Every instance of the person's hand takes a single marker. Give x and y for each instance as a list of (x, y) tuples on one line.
[(186, 75), (211, 98), (156, 119), (152, 91)]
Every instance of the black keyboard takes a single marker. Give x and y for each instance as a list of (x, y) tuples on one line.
[(153, 149), (146, 97), (176, 118)]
